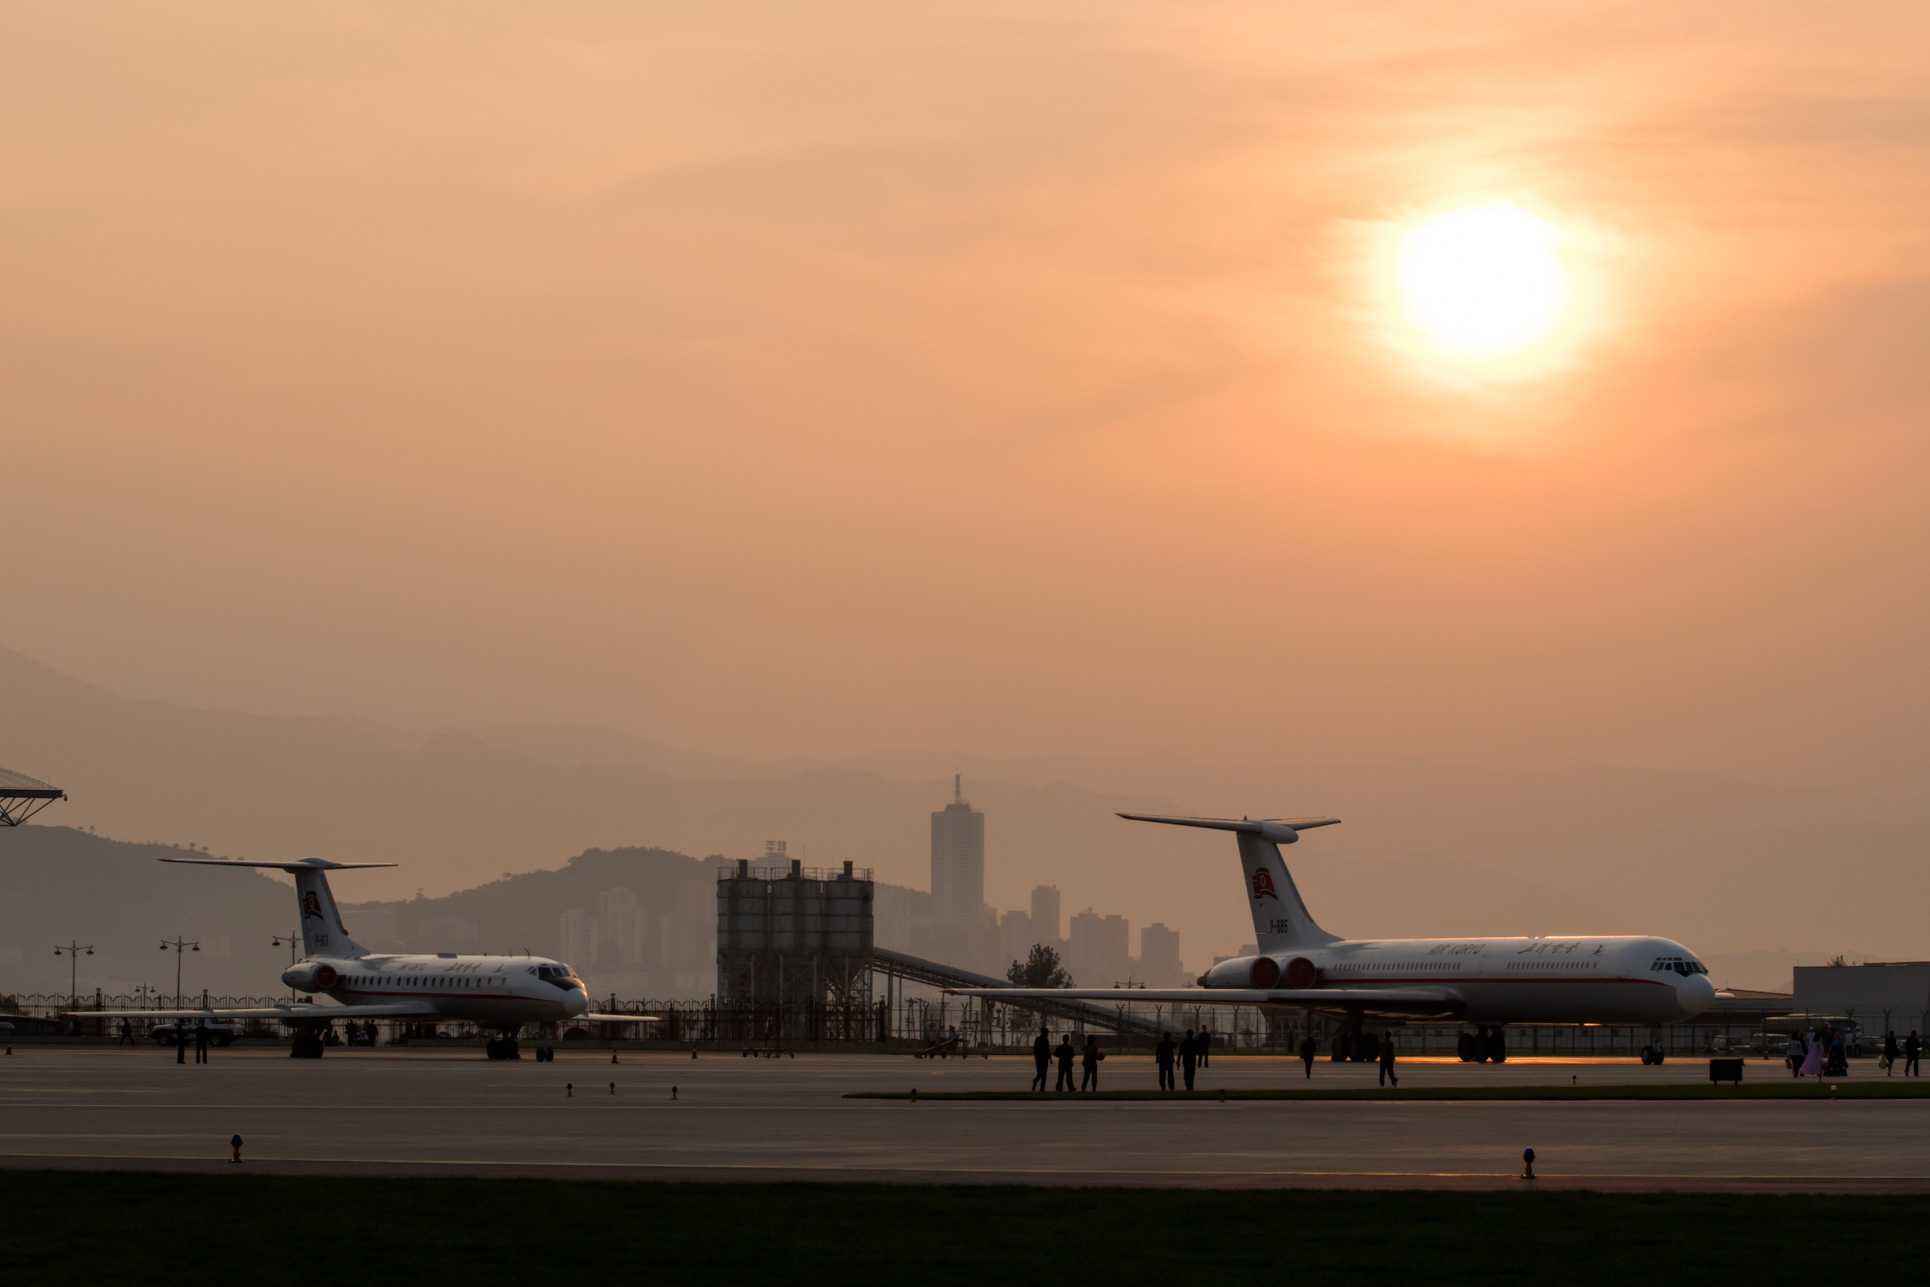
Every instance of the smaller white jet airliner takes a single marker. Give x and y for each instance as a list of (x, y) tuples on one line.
[(500, 992), (1488, 982)]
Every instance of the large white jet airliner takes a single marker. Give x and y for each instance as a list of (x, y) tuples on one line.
[(1563, 978), (500, 992)]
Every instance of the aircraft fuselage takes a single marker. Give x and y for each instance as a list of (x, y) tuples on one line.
[(488, 990), (1556, 979)]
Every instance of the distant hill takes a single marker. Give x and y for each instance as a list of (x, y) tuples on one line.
[(58, 885), (1426, 848)]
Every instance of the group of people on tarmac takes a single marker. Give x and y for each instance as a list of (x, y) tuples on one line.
[(1910, 1053), (1190, 1053), (1823, 1053), (1044, 1056), (1193, 1051)]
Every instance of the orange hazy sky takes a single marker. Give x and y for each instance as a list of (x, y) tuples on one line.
[(786, 379)]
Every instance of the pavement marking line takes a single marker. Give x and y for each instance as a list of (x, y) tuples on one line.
[(755, 1173)]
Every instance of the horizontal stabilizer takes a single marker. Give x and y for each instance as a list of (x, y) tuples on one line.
[(1282, 831), (618, 1018), (306, 864)]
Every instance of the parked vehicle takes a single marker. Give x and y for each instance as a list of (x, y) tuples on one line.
[(221, 1032)]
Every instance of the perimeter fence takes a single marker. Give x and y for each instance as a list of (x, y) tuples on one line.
[(980, 1027)]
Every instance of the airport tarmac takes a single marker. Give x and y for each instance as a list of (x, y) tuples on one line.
[(453, 1112)]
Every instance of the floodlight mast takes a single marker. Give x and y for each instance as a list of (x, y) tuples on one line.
[(73, 951), (177, 945)]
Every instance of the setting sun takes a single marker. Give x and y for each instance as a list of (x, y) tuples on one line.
[(1485, 281)]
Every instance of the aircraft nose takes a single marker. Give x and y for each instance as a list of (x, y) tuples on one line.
[(576, 1002), (1694, 994)]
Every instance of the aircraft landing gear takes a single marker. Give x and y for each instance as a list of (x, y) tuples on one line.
[(306, 1046), (1350, 1043), (505, 1046), (545, 1039), (1482, 1045)]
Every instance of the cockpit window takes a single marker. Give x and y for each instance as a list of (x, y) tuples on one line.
[(561, 975), (1684, 966)]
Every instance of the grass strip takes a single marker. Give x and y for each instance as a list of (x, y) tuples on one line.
[(168, 1228), (1786, 1089)]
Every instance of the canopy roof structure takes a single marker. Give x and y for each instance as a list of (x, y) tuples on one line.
[(21, 797)]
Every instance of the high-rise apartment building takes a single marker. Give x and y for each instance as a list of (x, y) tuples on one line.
[(578, 934), (1159, 964), (1099, 949), (1016, 938), (619, 928), (1045, 914), (958, 874)]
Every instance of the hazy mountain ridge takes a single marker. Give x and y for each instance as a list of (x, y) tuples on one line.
[(59, 885), (1426, 848)]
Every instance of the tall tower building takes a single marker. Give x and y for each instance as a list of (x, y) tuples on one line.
[(957, 871)]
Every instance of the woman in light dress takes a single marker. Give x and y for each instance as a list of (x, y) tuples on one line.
[(1813, 1061)]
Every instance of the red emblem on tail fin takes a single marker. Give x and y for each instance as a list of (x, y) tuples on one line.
[(1263, 885), (311, 906)]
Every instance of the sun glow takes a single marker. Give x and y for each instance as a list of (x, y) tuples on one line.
[(1484, 282)]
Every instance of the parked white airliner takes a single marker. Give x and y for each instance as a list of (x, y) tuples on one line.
[(500, 992), (1563, 978)]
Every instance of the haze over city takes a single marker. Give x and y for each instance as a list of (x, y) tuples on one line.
[(1067, 398), (1060, 632)]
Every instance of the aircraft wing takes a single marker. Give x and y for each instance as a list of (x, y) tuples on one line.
[(618, 1018), (285, 1013), (1423, 1001)]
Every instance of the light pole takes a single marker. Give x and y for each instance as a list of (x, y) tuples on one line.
[(73, 951), (178, 944), (293, 939)]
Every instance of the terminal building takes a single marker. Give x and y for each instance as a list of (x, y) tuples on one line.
[(1883, 996)]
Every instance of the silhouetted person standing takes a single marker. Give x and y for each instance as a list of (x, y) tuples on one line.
[(1189, 1057), (127, 1034), (1387, 1059), (1041, 1059), (1205, 1042), (1089, 1079), (200, 1044), (1912, 1048), (1890, 1054), (1309, 1051), (180, 1042), (1163, 1056), (1065, 1056)]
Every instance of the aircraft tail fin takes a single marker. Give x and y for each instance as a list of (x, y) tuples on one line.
[(323, 933), (1281, 921)]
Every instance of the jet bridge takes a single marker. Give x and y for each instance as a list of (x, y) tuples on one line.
[(21, 797), (903, 968)]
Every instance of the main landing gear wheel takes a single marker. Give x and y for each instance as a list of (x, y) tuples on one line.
[(504, 1048), (1483, 1045), (306, 1046)]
